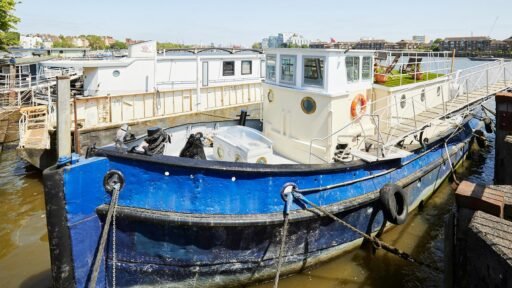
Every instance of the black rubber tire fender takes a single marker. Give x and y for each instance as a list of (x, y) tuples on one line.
[(394, 203)]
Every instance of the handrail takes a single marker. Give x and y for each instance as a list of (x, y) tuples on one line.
[(490, 71)]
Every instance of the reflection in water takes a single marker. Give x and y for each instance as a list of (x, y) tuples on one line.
[(24, 255)]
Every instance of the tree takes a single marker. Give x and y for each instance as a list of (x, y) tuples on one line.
[(7, 23), (118, 45), (63, 42), (170, 45), (96, 42), (256, 45)]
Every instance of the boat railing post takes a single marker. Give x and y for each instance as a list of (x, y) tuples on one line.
[(396, 106), (505, 75), (487, 81), (414, 113), (467, 93), (63, 120)]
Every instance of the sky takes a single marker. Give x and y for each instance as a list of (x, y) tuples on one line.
[(229, 22)]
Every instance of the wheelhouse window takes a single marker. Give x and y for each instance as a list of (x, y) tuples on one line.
[(228, 68), (313, 71), (271, 68), (246, 67), (352, 63), (288, 65), (367, 68)]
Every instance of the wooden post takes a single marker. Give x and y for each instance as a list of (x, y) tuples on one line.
[(503, 157), (63, 120)]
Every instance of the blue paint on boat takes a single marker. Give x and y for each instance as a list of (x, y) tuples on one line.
[(191, 225)]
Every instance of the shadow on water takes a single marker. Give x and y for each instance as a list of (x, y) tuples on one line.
[(39, 280)]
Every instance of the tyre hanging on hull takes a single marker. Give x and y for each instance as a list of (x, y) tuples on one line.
[(394, 203)]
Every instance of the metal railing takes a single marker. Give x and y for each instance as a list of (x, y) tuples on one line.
[(431, 65), (448, 96)]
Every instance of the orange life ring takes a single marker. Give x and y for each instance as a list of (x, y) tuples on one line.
[(358, 106)]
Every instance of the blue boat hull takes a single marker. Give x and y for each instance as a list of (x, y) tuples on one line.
[(183, 222)]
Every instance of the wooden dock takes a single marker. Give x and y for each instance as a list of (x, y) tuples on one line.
[(482, 246)]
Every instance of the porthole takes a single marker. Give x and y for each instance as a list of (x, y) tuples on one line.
[(308, 105), (116, 73), (261, 160), (438, 91), (220, 152), (403, 101), (270, 96), (238, 158), (422, 97)]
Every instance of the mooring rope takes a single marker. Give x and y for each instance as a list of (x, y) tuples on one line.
[(288, 203), (374, 240), (104, 235)]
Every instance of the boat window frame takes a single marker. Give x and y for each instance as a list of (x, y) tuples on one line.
[(224, 68), (303, 83), (370, 68), (267, 71), (294, 80), (358, 57), (242, 67)]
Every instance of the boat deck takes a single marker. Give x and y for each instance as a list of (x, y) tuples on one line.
[(408, 126)]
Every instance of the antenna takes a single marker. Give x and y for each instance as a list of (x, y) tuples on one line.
[(493, 24)]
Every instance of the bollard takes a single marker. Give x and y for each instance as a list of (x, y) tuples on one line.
[(63, 121)]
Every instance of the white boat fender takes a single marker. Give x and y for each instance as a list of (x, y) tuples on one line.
[(394, 203)]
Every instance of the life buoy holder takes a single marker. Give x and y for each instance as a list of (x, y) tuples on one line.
[(358, 106)]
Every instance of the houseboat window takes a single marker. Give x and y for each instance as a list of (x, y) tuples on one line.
[(246, 67), (308, 105), (228, 68), (367, 68), (271, 68), (352, 63), (403, 101), (288, 64), (116, 73), (314, 71)]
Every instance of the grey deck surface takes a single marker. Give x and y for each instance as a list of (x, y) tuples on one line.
[(496, 232)]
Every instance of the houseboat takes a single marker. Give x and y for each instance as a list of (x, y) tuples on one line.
[(335, 158), (143, 89)]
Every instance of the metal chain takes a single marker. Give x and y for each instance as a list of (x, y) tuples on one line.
[(374, 240), (104, 234)]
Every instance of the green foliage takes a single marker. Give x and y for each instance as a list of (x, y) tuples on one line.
[(256, 45), (63, 42), (7, 23), (170, 45), (118, 45), (96, 42), (13, 37)]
